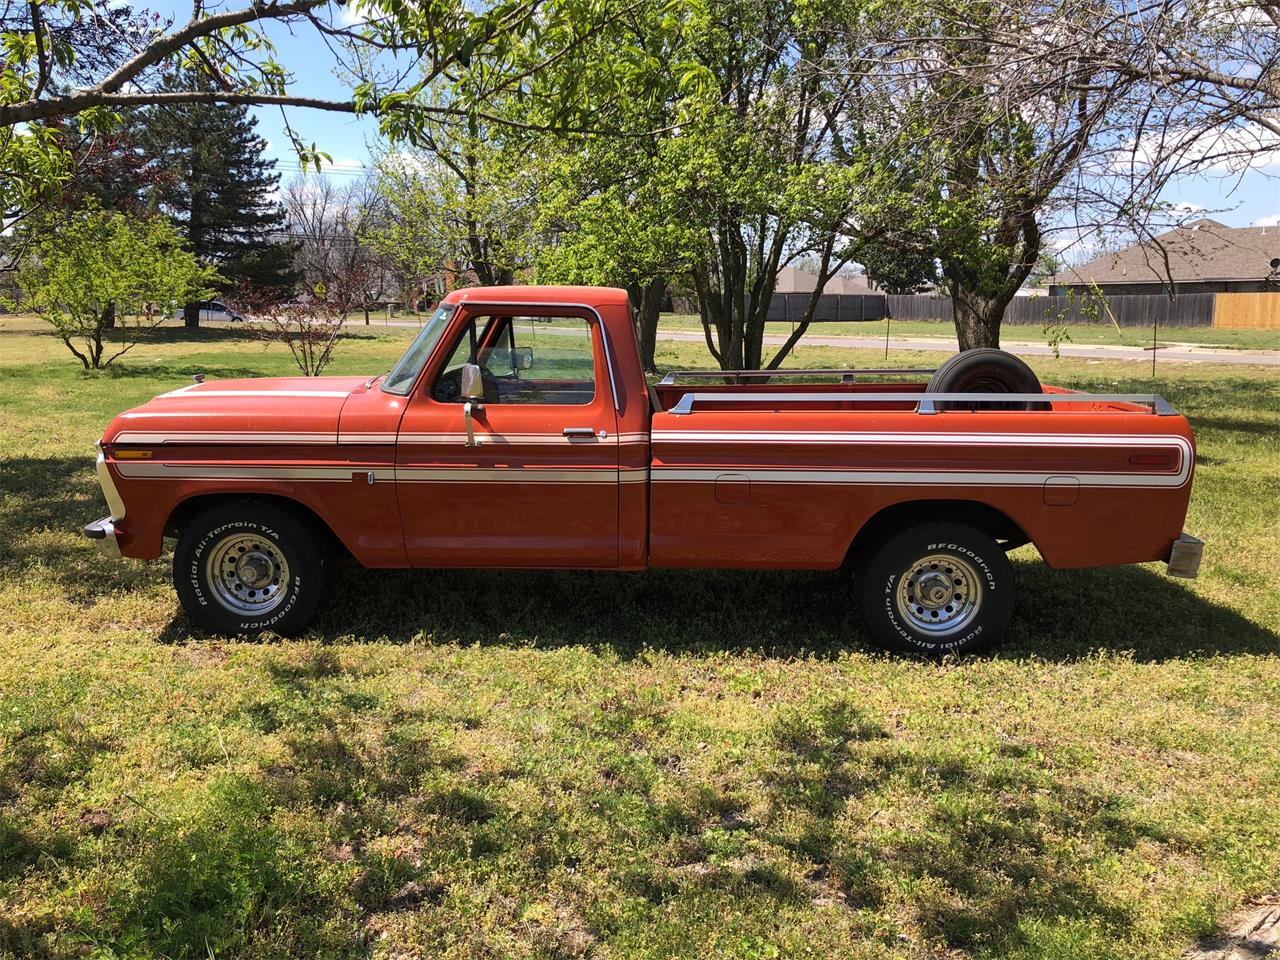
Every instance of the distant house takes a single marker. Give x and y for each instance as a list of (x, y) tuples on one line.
[(795, 280), (1202, 257)]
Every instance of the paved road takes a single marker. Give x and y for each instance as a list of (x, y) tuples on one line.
[(1183, 354), (1266, 358)]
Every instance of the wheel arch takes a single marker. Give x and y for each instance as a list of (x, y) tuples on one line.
[(992, 521), (185, 510)]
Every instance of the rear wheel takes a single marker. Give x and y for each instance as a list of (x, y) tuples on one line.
[(245, 567), (936, 588)]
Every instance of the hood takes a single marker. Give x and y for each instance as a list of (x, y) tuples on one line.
[(277, 409)]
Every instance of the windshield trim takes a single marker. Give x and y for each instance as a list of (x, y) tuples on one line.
[(426, 341)]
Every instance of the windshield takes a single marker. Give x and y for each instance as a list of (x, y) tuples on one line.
[(403, 374)]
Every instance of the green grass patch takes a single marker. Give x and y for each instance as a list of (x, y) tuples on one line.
[(675, 763)]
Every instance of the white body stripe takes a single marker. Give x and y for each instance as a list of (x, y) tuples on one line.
[(669, 474), (268, 438), (194, 437), (200, 471), (483, 438), (919, 477), (216, 471), (343, 394), (505, 475), (855, 437)]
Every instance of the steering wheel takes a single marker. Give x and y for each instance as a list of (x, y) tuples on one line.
[(449, 386)]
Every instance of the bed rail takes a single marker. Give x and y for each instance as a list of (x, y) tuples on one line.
[(847, 375), (926, 403)]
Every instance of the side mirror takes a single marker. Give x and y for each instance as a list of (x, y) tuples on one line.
[(523, 358), (472, 383)]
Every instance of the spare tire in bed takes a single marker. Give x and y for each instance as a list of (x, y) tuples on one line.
[(986, 370)]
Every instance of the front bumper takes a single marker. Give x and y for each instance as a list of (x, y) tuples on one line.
[(1184, 559), (104, 533)]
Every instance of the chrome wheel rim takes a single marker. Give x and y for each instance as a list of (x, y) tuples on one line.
[(939, 595), (247, 573)]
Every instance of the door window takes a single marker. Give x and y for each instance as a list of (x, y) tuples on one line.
[(524, 360)]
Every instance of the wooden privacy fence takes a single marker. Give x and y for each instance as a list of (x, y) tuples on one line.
[(1247, 311), (1255, 311)]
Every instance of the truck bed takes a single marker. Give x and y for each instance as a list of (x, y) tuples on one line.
[(781, 473)]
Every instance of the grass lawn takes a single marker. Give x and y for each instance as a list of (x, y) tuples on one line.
[(461, 764), (1102, 333)]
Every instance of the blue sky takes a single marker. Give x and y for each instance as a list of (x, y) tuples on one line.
[(1236, 199)]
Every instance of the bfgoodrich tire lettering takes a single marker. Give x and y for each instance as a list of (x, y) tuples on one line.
[(245, 567), (936, 588)]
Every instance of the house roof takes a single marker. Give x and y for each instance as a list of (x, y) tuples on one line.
[(795, 280), (1200, 251)]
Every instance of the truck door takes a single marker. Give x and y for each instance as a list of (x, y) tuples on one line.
[(536, 484)]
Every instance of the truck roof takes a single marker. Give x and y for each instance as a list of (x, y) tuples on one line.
[(528, 293)]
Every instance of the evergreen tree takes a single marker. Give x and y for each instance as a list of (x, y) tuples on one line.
[(219, 187)]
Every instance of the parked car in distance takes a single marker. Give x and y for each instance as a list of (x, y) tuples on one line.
[(518, 431), (213, 310)]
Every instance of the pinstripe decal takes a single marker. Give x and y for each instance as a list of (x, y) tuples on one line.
[(918, 477), (854, 437), (216, 471), (314, 437), (504, 475), (339, 394), (547, 439), (202, 471), (194, 437)]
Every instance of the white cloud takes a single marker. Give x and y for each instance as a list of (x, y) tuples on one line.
[(353, 13), (1232, 150), (1185, 208), (1271, 221)]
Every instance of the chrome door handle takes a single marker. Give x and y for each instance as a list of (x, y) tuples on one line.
[(579, 432)]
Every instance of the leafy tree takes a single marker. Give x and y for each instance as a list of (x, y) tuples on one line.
[(612, 222), (753, 166), (92, 59), (97, 258), (608, 209), (464, 195)]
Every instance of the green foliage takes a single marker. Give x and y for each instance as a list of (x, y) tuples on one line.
[(464, 202), (97, 260), (81, 58)]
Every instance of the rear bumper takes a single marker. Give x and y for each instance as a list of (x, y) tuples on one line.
[(1184, 559), (104, 533)]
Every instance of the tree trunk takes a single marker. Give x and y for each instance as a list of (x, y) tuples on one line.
[(646, 300), (191, 315), (109, 317), (977, 318)]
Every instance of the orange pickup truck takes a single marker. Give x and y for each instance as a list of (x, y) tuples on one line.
[(518, 430)]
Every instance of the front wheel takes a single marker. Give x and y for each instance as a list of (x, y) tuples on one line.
[(246, 567), (936, 588)]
